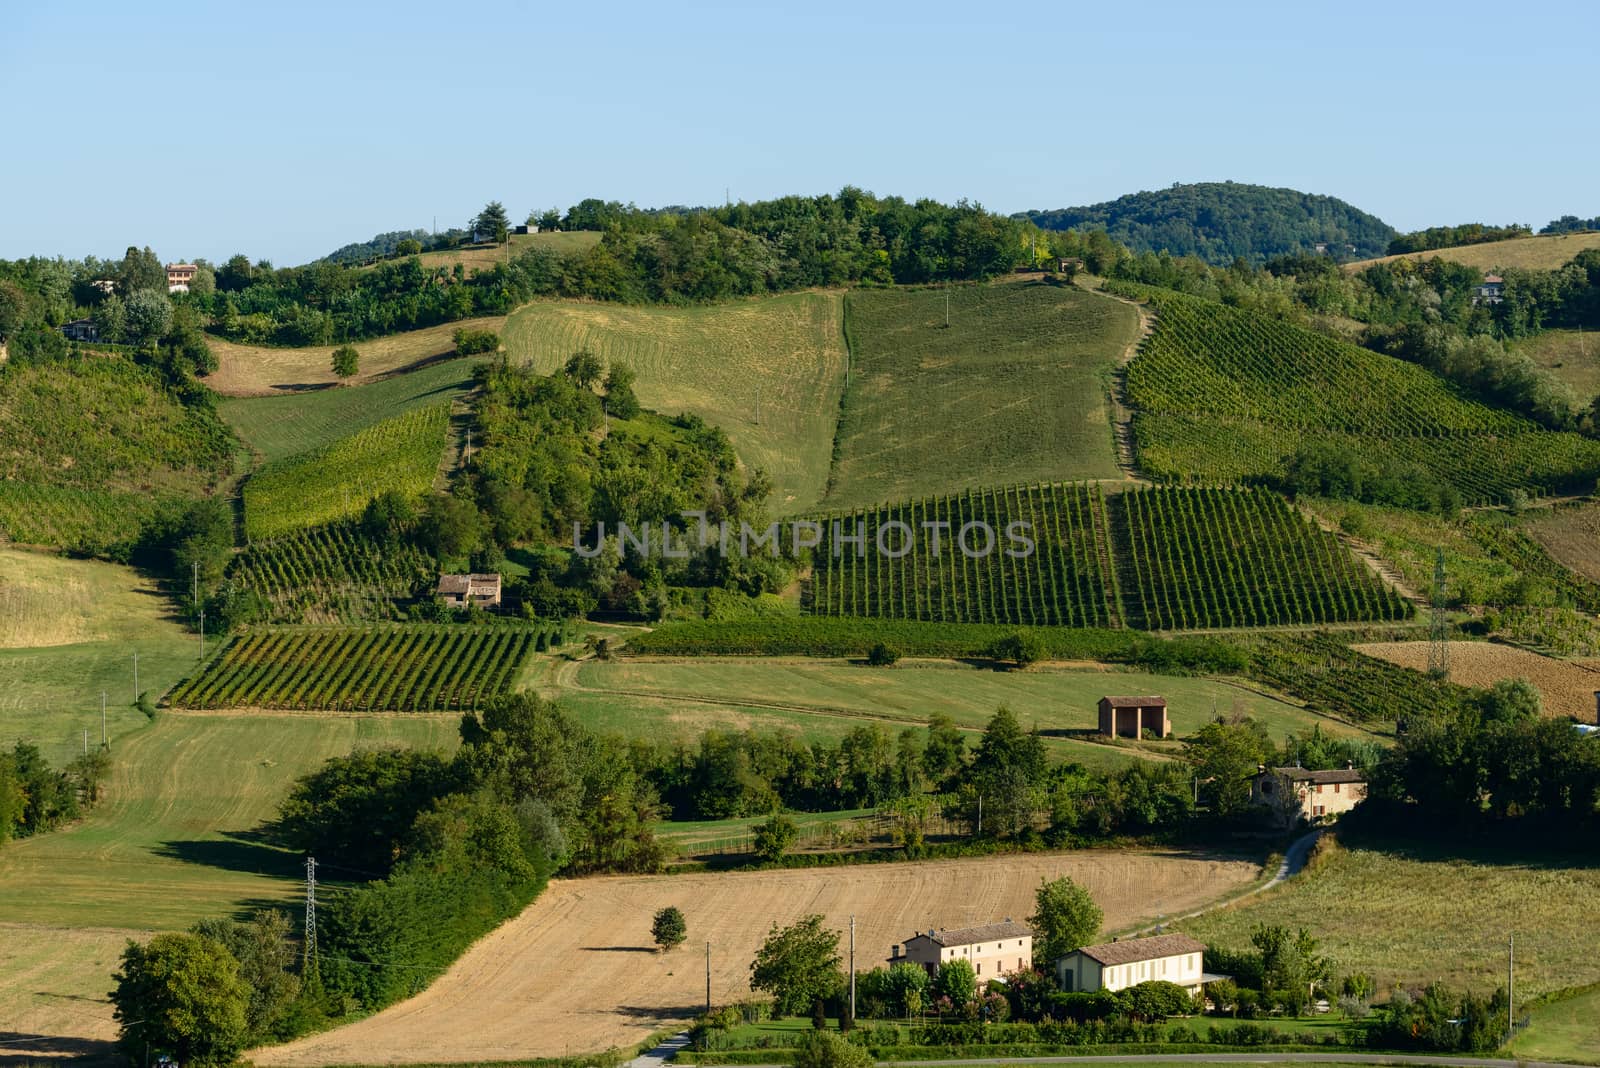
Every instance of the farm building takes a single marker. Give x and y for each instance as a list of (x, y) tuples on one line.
[(459, 591), (179, 275), (994, 949), (1172, 958), (81, 330), (1130, 717), (1491, 291), (1296, 794), (526, 228)]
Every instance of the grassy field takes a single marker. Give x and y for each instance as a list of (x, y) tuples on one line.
[(1539, 252), (1012, 390), (1407, 541), (282, 426), (479, 257), (826, 699), (785, 353), (1419, 917), (492, 1006), (1567, 688), (1571, 355), (1563, 1030), (265, 371)]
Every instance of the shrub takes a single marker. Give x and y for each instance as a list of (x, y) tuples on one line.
[(774, 837), (472, 342), (881, 655), (669, 929)]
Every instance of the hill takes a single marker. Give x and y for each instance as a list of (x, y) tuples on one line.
[(1010, 386), (1223, 221), (1544, 252), (784, 355)]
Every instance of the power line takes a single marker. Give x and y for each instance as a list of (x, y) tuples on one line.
[(310, 960)]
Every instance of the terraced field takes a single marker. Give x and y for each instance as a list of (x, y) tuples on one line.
[(768, 372)]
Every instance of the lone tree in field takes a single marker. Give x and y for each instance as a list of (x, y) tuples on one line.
[(669, 929), (181, 993), (346, 361), (1066, 919), (491, 221), (797, 965)]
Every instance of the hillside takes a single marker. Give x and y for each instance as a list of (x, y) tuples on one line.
[(1223, 221), (1544, 252), (1009, 387)]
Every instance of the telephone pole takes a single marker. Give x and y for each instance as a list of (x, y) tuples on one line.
[(202, 635), (86, 741), (708, 977), (136, 675), (1511, 984), (758, 406), (852, 967), (1439, 627), (102, 719), (196, 598)]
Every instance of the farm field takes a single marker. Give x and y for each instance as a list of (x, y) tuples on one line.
[(1407, 541), (276, 427), (1568, 688), (336, 481), (1417, 918), (267, 371), (1151, 558), (1061, 701), (1223, 395), (1571, 535), (174, 840), (492, 1006), (786, 353), (35, 514), (1563, 1031), (477, 258), (1571, 355), (332, 575), (1536, 252), (412, 668), (1013, 390)]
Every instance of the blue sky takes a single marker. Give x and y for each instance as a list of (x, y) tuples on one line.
[(284, 130)]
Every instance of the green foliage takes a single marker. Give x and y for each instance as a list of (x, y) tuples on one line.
[(823, 1049), (797, 965), (414, 668), (1065, 918), (343, 572), (336, 481), (1225, 756), (34, 797), (1452, 236), (775, 837), (958, 982), (668, 929), (1155, 1000), (264, 947), (1225, 221), (881, 655), (181, 994), (1331, 677), (1290, 965), (491, 222), (472, 342), (346, 361)]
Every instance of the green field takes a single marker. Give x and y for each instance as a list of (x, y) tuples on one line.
[(1014, 389), (276, 427), (1573, 356), (336, 481), (784, 355), (1416, 918), (1224, 395), (1565, 1030)]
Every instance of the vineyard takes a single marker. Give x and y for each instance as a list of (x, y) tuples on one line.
[(34, 514), (1154, 559), (439, 668), (331, 574), (1223, 395), (336, 481)]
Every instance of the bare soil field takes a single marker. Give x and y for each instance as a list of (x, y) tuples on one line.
[(577, 972), (1567, 687), (1572, 536), (263, 371)]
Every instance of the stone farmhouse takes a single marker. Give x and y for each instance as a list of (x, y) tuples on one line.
[(1296, 795), (1172, 958), (459, 591), (994, 949)]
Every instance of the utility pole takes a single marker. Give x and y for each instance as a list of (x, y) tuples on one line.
[(1511, 985), (196, 598), (1439, 625), (202, 635), (86, 741), (310, 958), (947, 305), (102, 719), (136, 675), (980, 815), (852, 967), (708, 977), (758, 406)]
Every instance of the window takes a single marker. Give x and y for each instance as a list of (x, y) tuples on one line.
[(979, 969), (1319, 787), (1335, 787)]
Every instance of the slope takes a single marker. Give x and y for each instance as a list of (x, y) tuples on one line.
[(1541, 252)]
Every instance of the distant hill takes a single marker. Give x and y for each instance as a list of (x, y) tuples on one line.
[(1223, 221), (1544, 252)]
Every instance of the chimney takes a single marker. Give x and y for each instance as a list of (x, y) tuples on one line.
[(1349, 765)]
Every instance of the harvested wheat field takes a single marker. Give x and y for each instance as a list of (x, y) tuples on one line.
[(1567, 687), (577, 972), (1572, 536), (265, 371)]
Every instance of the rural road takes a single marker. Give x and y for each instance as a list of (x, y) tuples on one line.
[(1294, 859), (662, 1053)]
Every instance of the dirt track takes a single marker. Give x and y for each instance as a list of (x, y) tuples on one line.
[(576, 972)]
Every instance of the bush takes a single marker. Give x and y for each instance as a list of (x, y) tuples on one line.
[(881, 655), (774, 837), (472, 342), (669, 929)]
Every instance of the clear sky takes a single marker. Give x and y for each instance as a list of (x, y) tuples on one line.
[(287, 129)]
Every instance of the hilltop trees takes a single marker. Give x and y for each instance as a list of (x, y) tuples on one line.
[(491, 222)]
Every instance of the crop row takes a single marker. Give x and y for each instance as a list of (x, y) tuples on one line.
[(331, 574), (336, 481), (1331, 677), (372, 669), (34, 514)]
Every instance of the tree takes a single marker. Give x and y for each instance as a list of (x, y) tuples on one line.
[(181, 993), (147, 313), (346, 361), (1066, 918), (1225, 756), (774, 837), (266, 957), (945, 752), (1290, 965), (491, 222), (141, 270), (824, 1049), (957, 981), (13, 309), (669, 929), (881, 655), (621, 401), (452, 527), (1154, 1000), (1022, 648), (549, 219), (409, 246), (1224, 995), (584, 368), (797, 965)]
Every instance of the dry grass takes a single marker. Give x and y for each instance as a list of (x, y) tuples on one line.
[(262, 371), (1573, 356), (1572, 536), (56, 986), (576, 972), (1532, 253), (1567, 687), (48, 600)]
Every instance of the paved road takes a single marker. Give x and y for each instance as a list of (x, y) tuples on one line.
[(1294, 859), (658, 1057)]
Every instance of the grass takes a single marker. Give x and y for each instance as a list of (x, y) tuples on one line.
[(268, 371), (475, 258), (1012, 390), (276, 427), (1540, 252), (1563, 1030), (783, 354), (1573, 356), (1420, 915), (824, 700)]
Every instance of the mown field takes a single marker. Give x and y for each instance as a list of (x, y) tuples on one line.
[(1223, 395), (492, 1006), (477, 258), (1536, 252), (1563, 1030), (1013, 389), (1419, 917), (1571, 535), (266, 371), (785, 353), (336, 481), (1567, 688), (276, 427), (1573, 356)]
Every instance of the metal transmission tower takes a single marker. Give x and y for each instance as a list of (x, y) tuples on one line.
[(1439, 628), (311, 917)]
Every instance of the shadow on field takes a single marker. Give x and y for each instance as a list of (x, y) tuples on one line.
[(619, 949), (243, 851), (21, 1047), (654, 1012), (1404, 833)]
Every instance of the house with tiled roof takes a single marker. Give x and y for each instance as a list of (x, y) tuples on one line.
[(1296, 795), (993, 949), (1121, 963)]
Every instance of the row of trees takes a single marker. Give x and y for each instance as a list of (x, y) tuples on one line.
[(35, 797)]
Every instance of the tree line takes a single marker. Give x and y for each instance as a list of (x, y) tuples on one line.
[(35, 797)]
